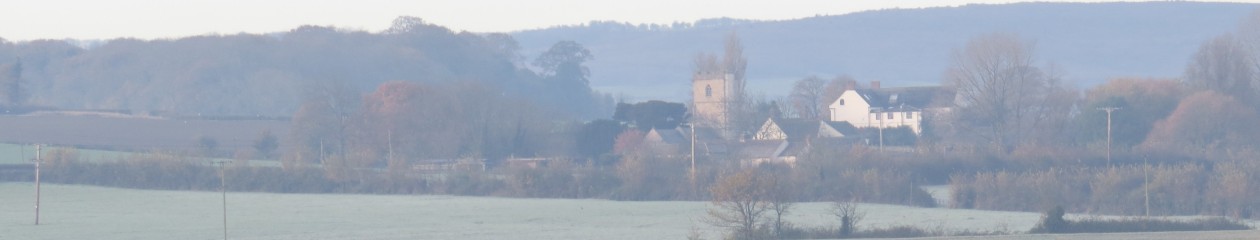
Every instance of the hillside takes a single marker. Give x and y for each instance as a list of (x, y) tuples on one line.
[(264, 74), (1090, 42)]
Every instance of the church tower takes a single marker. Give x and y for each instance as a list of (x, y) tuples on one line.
[(710, 97)]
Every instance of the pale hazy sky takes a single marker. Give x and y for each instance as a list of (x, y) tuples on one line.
[(23, 20)]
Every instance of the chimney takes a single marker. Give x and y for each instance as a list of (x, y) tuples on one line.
[(874, 84), (850, 85)]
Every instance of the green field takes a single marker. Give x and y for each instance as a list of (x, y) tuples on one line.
[(83, 212), (79, 212), (21, 154)]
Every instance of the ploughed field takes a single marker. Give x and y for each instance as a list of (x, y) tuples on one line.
[(130, 133), (84, 212)]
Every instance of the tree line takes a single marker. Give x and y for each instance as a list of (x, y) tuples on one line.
[(270, 74)]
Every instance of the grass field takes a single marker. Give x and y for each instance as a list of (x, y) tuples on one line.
[(133, 133), (82, 212), (22, 154)]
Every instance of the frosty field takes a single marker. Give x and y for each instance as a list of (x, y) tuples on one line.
[(83, 212)]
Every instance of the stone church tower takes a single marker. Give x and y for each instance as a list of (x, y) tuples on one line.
[(710, 97)]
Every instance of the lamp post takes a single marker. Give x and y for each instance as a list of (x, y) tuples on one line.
[(1109, 110)]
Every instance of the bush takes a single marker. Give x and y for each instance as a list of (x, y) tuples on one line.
[(1052, 222)]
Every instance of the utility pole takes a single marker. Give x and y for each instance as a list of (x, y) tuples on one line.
[(37, 160), (223, 190), (693, 156), (1109, 110), (1146, 187), (880, 116)]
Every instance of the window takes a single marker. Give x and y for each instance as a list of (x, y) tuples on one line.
[(708, 91), (879, 117), (890, 116), (841, 102), (910, 115)]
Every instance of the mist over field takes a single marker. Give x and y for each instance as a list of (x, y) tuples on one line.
[(1023, 120)]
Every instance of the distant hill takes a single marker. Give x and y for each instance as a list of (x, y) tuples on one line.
[(267, 74), (1090, 42)]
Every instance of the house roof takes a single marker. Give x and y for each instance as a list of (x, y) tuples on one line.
[(796, 128), (771, 149), (707, 139), (760, 149), (667, 136), (845, 128), (905, 97)]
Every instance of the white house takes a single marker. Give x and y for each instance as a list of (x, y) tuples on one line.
[(888, 107)]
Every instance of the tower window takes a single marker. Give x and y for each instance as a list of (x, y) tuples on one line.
[(708, 91)]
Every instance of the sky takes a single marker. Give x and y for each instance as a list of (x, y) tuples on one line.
[(25, 20)]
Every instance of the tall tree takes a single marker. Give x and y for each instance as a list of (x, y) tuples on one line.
[(321, 126), (1206, 122), (740, 203), (832, 91), (1142, 102), (394, 124), (734, 62), (564, 61), (1000, 93), (651, 114), (739, 109), (807, 98), (11, 89), (597, 137), (266, 144), (563, 66), (1223, 64), (1249, 38)]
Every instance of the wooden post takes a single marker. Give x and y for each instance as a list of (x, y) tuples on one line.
[(37, 160), (223, 190), (1109, 110)]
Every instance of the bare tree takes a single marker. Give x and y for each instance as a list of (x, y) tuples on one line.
[(782, 197), (833, 90), (807, 97), (734, 62), (1249, 38), (11, 90), (999, 91), (1223, 64), (705, 62), (740, 109), (849, 215), (739, 203)]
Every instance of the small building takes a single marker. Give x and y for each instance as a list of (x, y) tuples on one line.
[(782, 140), (708, 140)]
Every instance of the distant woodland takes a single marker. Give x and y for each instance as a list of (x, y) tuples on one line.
[(270, 74)]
